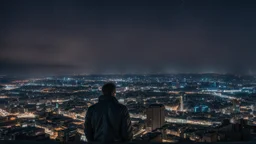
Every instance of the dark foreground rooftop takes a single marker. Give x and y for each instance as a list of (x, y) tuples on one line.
[(142, 142)]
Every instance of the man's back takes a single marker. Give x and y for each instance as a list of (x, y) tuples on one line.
[(108, 121)]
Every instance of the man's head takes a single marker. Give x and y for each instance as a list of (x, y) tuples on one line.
[(109, 89)]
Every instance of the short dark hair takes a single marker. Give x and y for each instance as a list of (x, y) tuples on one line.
[(108, 88)]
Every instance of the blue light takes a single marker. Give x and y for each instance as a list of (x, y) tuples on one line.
[(196, 109)]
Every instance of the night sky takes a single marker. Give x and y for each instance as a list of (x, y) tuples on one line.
[(77, 36)]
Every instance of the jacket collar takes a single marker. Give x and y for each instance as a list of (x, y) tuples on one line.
[(107, 98)]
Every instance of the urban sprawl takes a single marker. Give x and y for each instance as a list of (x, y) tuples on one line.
[(163, 108)]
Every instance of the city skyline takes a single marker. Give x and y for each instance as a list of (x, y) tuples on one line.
[(179, 36), (162, 108), (142, 71)]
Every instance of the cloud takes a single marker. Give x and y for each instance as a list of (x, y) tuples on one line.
[(133, 37)]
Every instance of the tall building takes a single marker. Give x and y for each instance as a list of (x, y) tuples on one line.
[(254, 108), (155, 116), (181, 103), (236, 106), (140, 101), (182, 99), (57, 108)]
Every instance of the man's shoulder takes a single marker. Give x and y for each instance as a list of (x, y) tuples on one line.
[(118, 105), (122, 107), (92, 107)]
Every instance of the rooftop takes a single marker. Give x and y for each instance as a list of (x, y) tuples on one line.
[(137, 142)]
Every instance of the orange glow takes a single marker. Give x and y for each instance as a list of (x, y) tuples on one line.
[(13, 118)]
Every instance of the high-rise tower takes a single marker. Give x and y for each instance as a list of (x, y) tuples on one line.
[(155, 116)]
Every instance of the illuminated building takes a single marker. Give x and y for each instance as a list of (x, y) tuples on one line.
[(181, 103), (236, 106), (67, 134), (196, 109), (205, 108), (201, 108), (155, 116), (182, 99), (57, 108)]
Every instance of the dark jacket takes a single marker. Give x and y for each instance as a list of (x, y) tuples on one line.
[(108, 121)]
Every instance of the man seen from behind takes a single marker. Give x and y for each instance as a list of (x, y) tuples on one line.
[(108, 120)]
